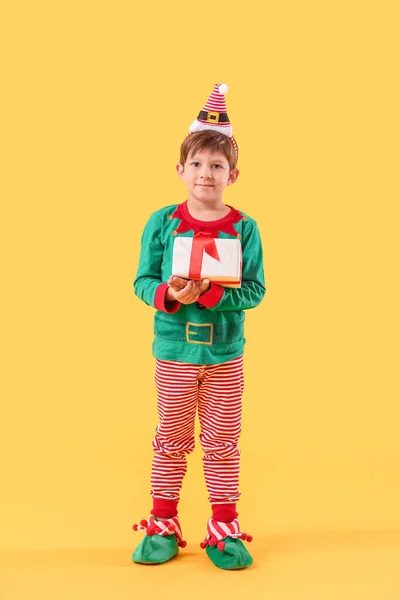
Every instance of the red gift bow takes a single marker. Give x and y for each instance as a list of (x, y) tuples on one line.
[(202, 242)]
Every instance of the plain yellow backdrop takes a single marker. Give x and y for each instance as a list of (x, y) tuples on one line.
[(97, 97)]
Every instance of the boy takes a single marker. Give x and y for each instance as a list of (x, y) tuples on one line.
[(198, 344)]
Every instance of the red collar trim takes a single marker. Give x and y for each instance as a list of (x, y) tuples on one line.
[(224, 225)]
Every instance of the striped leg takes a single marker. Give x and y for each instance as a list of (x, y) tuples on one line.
[(220, 412), (177, 388)]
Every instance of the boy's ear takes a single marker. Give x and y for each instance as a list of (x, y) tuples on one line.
[(179, 170), (233, 175)]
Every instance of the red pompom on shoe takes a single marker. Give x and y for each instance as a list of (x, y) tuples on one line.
[(249, 538), (243, 536), (212, 542), (135, 527), (221, 546), (182, 544), (143, 523), (203, 545)]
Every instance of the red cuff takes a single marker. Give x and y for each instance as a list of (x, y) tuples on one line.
[(212, 297), (224, 512), (159, 300), (164, 509)]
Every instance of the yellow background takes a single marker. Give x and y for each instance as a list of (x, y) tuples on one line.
[(97, 97)]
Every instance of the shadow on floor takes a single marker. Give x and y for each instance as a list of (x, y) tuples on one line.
[(282, 543)]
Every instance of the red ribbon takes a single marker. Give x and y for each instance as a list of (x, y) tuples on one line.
[(201, 243)]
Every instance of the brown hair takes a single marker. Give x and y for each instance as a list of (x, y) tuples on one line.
[(210, 140)]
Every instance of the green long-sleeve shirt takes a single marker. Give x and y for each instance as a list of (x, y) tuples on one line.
[(211, 330)]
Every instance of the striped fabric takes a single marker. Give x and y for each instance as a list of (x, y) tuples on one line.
[(216, 392), (218, 531), (162, 527), (216, 101)]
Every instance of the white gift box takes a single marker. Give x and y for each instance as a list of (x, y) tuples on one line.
[(201, 257)]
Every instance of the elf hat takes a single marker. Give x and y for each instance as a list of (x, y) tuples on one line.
[(214, 116)]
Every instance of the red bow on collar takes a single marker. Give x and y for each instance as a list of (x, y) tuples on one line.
[(213, 229)]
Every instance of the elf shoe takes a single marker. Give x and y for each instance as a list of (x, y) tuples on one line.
[(224, 545), (161, 542)]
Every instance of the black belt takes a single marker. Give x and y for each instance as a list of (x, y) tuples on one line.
[(213, 117)]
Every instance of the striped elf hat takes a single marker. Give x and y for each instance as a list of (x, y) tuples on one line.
[(214, 116)]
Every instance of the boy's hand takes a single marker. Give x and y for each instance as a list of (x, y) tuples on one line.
[(204, 286), (185, 295), (178, 283)]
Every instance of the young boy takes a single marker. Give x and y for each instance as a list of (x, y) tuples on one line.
[(198, 344)]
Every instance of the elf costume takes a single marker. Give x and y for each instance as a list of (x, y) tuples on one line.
[(199, 366)]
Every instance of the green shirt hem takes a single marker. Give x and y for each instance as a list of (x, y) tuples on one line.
[(199, 354)]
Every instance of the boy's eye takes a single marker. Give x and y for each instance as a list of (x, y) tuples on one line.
[(195, 163)]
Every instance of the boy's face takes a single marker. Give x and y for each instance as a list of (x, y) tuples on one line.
[(206, 175)]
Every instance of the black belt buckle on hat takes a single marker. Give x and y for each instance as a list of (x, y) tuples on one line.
[(213, 117)]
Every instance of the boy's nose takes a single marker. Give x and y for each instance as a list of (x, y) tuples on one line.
[(206, 173)]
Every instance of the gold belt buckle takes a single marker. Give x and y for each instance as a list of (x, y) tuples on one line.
[(212, 117), (191, 332)]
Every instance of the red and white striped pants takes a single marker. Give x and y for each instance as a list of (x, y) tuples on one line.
[(216, 390)]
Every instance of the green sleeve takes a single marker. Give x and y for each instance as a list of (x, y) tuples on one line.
[(148, 276), (252, 289)]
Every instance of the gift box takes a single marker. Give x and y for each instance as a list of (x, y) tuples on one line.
[(203, 257)]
